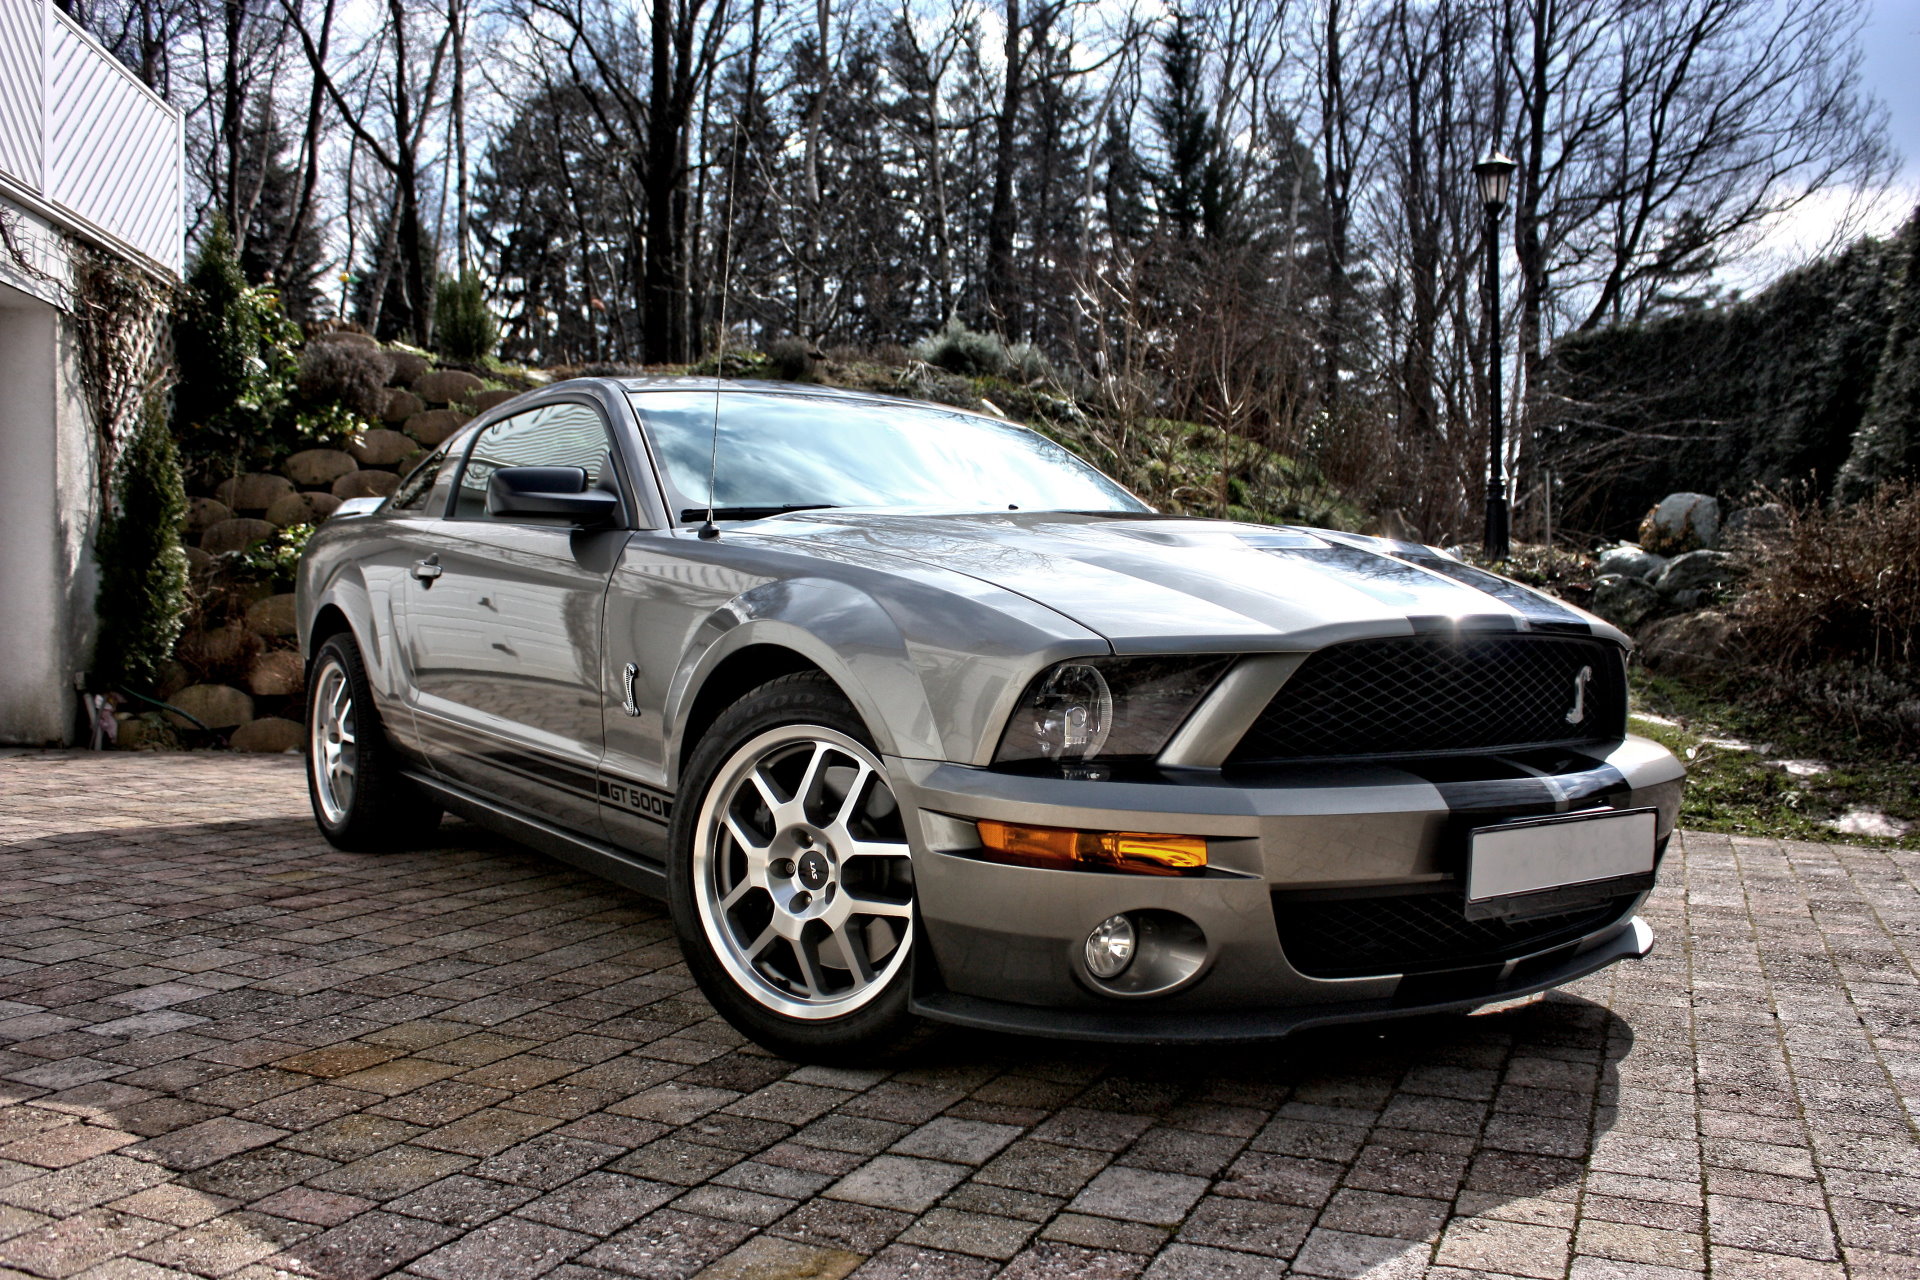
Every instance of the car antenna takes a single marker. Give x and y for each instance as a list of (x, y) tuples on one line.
[(710, 530)]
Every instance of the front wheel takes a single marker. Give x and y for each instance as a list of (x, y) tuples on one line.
[(791, 880)]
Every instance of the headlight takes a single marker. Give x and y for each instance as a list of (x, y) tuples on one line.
[(1105, 708)]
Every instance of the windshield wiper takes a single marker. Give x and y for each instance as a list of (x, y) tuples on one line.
[(753, 513)]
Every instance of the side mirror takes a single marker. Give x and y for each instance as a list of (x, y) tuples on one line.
[(559, 494)]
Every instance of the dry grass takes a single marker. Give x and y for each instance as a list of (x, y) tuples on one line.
[(1842, 586)]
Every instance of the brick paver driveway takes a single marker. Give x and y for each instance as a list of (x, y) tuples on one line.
[(231, 1050)]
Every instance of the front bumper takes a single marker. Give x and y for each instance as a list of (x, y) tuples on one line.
[(1001, 945)]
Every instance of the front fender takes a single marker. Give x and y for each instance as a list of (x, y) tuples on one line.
[(361, 574), (931, 665)]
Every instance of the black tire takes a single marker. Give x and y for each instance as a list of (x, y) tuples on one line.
[(376, 809), (805, 707)]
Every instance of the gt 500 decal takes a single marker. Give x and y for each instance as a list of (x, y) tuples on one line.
[(656, 806)]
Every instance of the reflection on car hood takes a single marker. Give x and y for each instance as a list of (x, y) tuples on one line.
[(1156, 584)]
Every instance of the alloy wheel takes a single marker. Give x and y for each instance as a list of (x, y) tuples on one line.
[(334, 753), (802, 873)]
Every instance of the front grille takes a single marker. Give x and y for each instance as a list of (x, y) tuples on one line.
[(1411, 695), (1417, 933)]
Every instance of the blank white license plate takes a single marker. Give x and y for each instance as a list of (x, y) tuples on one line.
[(1551, 853)]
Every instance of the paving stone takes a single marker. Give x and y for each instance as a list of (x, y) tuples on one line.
[(505, 1247), (1140, 1195), (771, 1258), (898, 1182)]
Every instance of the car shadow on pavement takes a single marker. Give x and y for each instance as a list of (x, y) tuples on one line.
[(225, 1043)]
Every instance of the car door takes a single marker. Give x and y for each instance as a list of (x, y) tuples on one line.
[(503, 625)]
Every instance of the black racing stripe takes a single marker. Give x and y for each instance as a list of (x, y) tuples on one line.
[(1480, 791), (1541, 610), (637, 798)]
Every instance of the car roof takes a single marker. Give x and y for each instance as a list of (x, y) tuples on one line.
[(757, 386)]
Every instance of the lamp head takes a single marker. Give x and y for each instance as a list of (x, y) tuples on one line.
[(1495, 176)]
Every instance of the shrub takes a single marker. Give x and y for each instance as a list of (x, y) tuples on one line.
[(347, 374), (958, 349), (1842, 585), (236, 352), (790, 359), (463, 326), (275, 560), (143, 571)]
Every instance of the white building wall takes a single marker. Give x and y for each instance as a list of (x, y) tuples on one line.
[(49, 510)]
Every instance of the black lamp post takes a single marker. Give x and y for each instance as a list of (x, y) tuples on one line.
[(1495, 175)]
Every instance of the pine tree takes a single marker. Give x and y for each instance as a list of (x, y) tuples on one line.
[(217, 335), (1195, 184), (1887, 445), (143, 571)]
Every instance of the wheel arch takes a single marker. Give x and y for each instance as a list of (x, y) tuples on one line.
[(731, 679)]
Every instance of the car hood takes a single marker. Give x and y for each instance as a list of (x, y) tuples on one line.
[(1157, 584)]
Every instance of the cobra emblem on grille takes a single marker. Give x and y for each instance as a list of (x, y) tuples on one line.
[(1579, 711), (627, 676)]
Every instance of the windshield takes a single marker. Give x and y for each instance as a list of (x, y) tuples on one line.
[(785, 452)]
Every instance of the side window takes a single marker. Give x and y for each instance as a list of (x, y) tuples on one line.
[(425, 488), (555, 435)]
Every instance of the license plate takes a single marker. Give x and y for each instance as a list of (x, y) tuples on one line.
[(1548, 863)]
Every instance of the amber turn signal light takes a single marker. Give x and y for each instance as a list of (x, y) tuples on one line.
[(1063, 849)]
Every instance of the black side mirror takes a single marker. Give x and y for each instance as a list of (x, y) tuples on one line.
[(559, 494)]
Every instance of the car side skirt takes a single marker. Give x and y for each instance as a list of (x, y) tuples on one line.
[(592, 856)]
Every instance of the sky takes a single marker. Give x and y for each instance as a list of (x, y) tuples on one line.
[(1892, 69)]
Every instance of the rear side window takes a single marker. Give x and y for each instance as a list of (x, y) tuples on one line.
[(554, 435)]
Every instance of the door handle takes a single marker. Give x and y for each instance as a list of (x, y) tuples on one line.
[(427, 570)]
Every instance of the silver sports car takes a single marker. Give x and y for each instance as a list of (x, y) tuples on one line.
[(910, 713)]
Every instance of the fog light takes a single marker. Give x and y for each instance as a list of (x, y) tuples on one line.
[(1110, 947)]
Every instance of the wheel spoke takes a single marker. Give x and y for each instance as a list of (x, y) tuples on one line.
[(736, 893), (854, 955), (768, 936), (811, 778), (755, 851), (810, 971), (768, 796), (880, 907), (873, 849), (850, 802)]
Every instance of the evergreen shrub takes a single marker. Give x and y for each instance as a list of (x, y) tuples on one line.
[(348, 374), (463, 326), (142, 601), (790, 359)]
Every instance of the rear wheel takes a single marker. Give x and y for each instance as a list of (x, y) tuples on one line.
[(361, 799), (792, 882)]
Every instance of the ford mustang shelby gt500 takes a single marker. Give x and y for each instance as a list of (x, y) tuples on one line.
[(908, 712)]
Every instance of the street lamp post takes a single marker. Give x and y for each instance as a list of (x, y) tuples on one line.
[(1495, 175)]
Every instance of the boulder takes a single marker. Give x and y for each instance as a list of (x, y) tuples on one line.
[(401, 405), (302, 508), (205, 512), (1630, 561), (172, 678), (236, 535), (408, 367), (351, 337), (199, 563), (1698, 571), (381, 447), (435, 425), (365, 484), (1623, 600), (446, 386), (1682, 522), (1688, 643), (217, 706), (255, 491), (485, 400), (223, 650), (278, 673), (273, 616), (318, 468), (1756, 526), (269, 734)]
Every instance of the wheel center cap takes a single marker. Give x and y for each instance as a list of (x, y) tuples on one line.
[(813, 869)]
